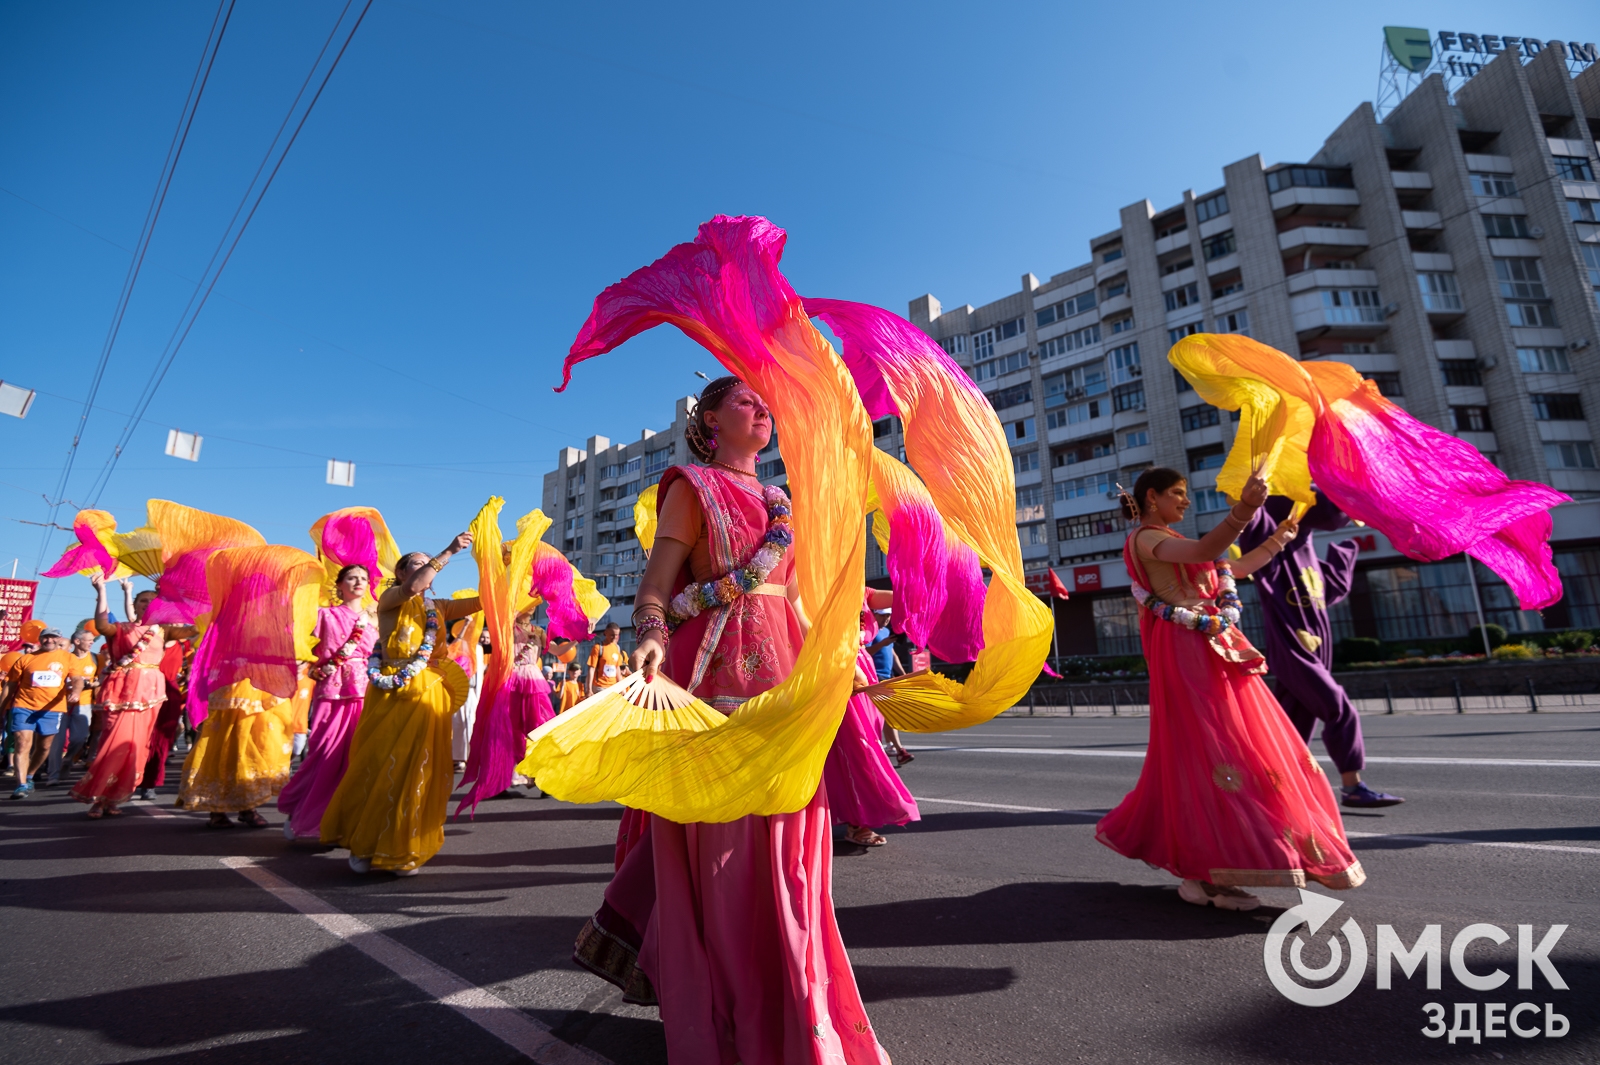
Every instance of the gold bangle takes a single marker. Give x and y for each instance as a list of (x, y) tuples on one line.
[(437, 563)]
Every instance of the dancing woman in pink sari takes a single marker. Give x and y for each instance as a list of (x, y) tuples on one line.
[(1230, 796), (729, 928), (345, 635)]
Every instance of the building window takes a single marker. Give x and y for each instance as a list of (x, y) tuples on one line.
[(655, 461), (1218, 246), (1531, 315), (1024, 461), (1124, 363), (1227, 289), (1122, 325), (1470, 420), (1061, 345), (1097, 524), (1171, 229), (1084, 301), (1128, 397), (989, 369), (1544, 360), (1033, 535), (1030, 503), (1010, 397), (775, 468), (1569, 455), (1113, 255), (1078, 383), (954, 345), (1210, 457), (1591, 260), (1077, 414), (1557, 406), (1083, 487), (983, 344), (1137, 438), (1583, 210), (1573, 167), (1209, 500), (1388, 383), (1234, 322), (1020, 431), (1183, 296), (1211, 207), (1461, 373), (1505, 225), (1119, 289), (883, 427), (1116, 625), (1352, 305), (1315, 177), (1014, 328), (1181, 383), (1519, 279), (1439, 291), (1199, 417), (1176, 265), (1492, 184), (1434, 600), (1175, 335), (1085, 451)]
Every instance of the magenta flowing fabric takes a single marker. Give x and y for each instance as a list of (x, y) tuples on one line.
[(529, 694), (863, 788), (335, 712)]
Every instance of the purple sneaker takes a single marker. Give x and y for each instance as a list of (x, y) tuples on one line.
[(1364, 797)]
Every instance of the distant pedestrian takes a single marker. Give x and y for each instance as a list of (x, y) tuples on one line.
[(40, 688)]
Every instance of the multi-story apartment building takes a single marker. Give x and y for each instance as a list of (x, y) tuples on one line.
[(1451, 253)]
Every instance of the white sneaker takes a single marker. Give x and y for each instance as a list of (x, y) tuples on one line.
[(408, 872), (1200, 893), (360, 865), (288, 831)]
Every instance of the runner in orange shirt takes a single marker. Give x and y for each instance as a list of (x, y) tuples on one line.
[(608, 662), (42, 685)]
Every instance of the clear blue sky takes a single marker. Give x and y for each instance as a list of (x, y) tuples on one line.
[(476, 173)]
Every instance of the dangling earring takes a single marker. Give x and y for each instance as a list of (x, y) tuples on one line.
[(711, 445)]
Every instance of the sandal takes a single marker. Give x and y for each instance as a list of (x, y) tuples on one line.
[(902, 756), (96, 812), (251, 819), (865, 837), (114, 811), (219, 821)]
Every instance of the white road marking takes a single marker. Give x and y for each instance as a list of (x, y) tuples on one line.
[(1352, 835), (484, 1008), (1537, 763)]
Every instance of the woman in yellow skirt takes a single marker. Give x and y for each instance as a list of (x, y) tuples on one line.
[(390, 808), (246, 672)]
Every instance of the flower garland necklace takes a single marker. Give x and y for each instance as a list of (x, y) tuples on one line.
[(126, 661), (419, 662), (747, 578), (343, 654), (1228, 606)]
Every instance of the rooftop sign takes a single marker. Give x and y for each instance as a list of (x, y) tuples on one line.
[(1409, 52)]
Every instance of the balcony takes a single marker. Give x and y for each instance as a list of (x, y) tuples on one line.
[(1336, 311), (1115, 305), (1438, 262), (1178, 279), (1364, 364), (1454, 349), (1103, 464), (1222, 265), (1031, 551), (1324, 201), (1490, 164), (1580, 190), (1412, 180), (1111, 269), (1078, 430), (1172, 243), (1093, 503), (1307, 280), (1422, 221), (1321, 238), (1487, 443), (1466, 396)]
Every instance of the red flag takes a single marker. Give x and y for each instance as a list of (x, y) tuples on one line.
[(1057, 589)]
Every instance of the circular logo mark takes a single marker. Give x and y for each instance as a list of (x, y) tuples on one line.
[(1314, 911)]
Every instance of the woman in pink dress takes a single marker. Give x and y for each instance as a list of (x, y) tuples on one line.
[(1229, 797), (345, 635), (729, 928), (130, 694), (863, 788)]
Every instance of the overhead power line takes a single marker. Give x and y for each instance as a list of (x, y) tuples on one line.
[(180, 137), (255, 192)]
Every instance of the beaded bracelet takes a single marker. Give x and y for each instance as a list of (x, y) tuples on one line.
[(651, 624)]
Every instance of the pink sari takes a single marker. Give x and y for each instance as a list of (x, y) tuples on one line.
[(729, 928), (335, 712), (528, 692), (863, 788), (1229, 792), (129, 697)]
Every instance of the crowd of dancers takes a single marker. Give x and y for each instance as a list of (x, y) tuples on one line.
[(758, 712)]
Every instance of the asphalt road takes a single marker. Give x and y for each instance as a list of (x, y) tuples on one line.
[(995, 930)]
